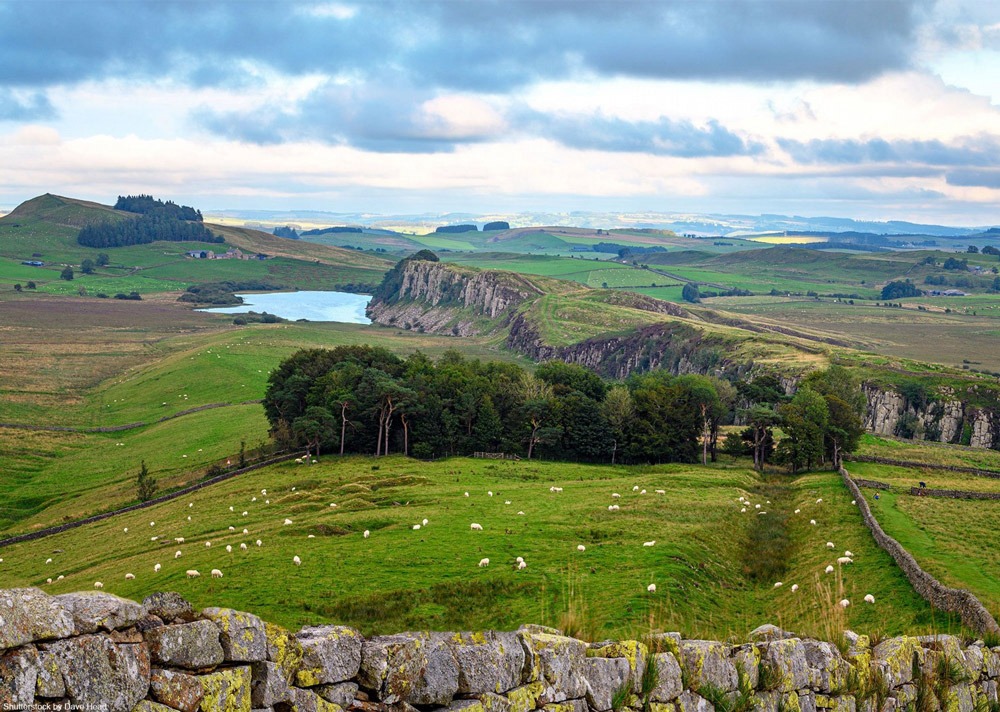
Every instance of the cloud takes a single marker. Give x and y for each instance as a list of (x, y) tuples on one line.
[(487, 45), (974, 178), (21, 106), (969, 151)]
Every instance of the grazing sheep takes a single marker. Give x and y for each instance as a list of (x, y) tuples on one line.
[(311, 536), (264, 492), (48, 580), (258, 542), (156, 569), (813, 522), (229, 549), (778, 584), (484, 563), (520, 514), (506, 501), (232, 529), (869, 598), (819, 501), (231, 509), (756, 506), (177, 554), (651, 588), (643, 492), (743, 510), (845, 560), (466, 494), (424, 522), (613, 507), (192, 573), (521, 566), (649, 543), (476, 527), (416, 527), (245, 532), (287, 522), (243, 547), (332, 504), (98, 584), (795, 587), (208, 544), (761, 512), (489, 493), (153, 538), (244, 514), (797, 511), (636, 488), (519, 560), (829, 569), (60, 577), (367, 534), (216, 573), (128, 577), (581, 547), (297, 561), (48, 561), (615, 495), (179, 540), (829, 545), (253, 499), (152, 524), (847, 553), (854, 502), (125, 530), (661, 491), (844, 603)]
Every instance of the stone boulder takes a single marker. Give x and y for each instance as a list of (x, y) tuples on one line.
[(50, 680), (558, 662), (604, 677), (241, 634), (268, 685), (226, 690), (169, 607), (487, 662), (28, 615), (788, 658), (309, 701), (706, 661), (827, 669), (895, 659), (416, 668), (192, 646), (99, 674), (330, 653), (96, 610), (176, 689), (284, 649), (669, 684), (19, 670), (634, 652), (342, 693)]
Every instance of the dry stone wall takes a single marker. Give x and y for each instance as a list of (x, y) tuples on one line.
[(96, 652)]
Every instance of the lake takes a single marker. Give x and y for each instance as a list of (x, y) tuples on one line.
[(315, 306)]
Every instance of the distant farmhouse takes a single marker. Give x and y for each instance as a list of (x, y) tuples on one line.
[(33, 263), (233, 253), (948, 293)]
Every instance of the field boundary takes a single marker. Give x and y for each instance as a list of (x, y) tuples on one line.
[(994, 474), (49, 531), (124, 426), (971, 610), (952, 494)]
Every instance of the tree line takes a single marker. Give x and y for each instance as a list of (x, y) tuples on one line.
[(143, 230), (148, 205), (365, 399)]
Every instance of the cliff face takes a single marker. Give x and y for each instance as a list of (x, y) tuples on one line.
[(947, 419), (434, 297)]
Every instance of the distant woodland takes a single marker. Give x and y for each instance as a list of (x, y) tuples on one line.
[(158, 220)]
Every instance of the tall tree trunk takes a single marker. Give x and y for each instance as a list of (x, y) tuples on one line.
[(343, 425), (381, 427), (406, 434)]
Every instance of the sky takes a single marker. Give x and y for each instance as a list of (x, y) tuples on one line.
[(872, 109)]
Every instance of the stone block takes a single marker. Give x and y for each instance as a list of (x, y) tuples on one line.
[(98, 673), (604, 677), (240, 634), (706, 661), (788, 658), (28, 615), (558, 661), (19, 670), (176, 689), (669, 684), (193, 646), (268, 685), (168, 607), (416, 668), (631, 650), (330, 653), (226, 690), (487, 662), (95, 610)]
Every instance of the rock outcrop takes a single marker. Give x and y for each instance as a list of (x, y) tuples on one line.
[(230, 668), (944, 416)]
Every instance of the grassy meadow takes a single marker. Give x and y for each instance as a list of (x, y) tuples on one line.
[(702, 562)]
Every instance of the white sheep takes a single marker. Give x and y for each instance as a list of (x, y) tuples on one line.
[(854, 502), (649, 543), (489, 493), (208, 545), (258, 542), (615, 495), (177, 554), (636, 488), (466, 494), (519, 560), (245, 532), (98, 584), (797, 511), (179, 540), (520, 514), (152, 524), (297, 561), (424, 522), (829, 569), (484, 563), (813, 522), (642, 492), (869, 598), (819, 501), (229, 549), (778, 584), (244, 514), (506, 501), (476, 527), (829, 545), (581, 547), (847, 553), (125, 530), (743, 510), (231, 509), (651, 588), (48, 561), (60, 577), (129, 577), (193, 573), (48, 580), (153, 538), (756, 506), (845, 560), (333, 504), (243, 547), (521, 565), (232, 529), (216, 573), (661, 491), (311, 536), (844, 603), (287, 522), (795, 587), (416, 527), (367, 534), (156, 569)]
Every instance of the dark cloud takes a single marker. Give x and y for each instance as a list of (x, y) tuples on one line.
[(481, 45), (970, 151), (33, 106), (974, 178), (663, 137)]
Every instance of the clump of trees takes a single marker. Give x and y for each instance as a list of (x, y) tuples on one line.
[(222, 293), (145, 484), (691, 293), (148, 205), (144, 230), (286, 231), (496, 225), (364, 399), (900, 290), (456, 228)]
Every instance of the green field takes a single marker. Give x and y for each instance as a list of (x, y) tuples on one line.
[(401, 578)]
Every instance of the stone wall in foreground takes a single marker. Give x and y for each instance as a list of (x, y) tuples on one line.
[(96, 652)]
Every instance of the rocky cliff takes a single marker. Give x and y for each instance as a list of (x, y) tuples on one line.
[(100, 653), (946, 415)]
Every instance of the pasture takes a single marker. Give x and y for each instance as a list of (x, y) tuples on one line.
[(405, 578)]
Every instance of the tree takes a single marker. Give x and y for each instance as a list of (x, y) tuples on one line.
[(87, 266), (690, 293), (899, 290), (759, 435), (702, 393), (145, 484), (973, 250), (619, 411), (30, 285), (315, 427), (804, 422), (66, 274), (17, 287), (103, 260)]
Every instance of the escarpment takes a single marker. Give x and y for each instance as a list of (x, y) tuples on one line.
[(944, 414)]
